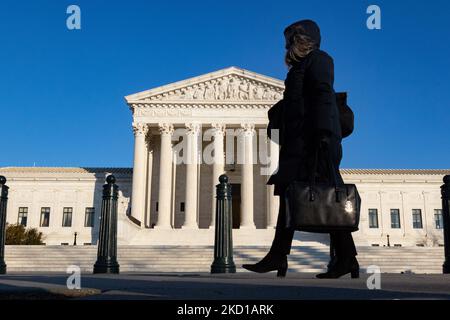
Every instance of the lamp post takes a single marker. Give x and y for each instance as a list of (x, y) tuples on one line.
[(75, 238), (223, 243), (3, 204), (445, 193), (107, 243)]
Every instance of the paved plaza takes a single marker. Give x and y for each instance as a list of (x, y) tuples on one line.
[(193, 286)]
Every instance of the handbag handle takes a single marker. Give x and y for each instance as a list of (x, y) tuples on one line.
[(312, 177)]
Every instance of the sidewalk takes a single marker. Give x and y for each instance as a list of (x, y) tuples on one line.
[(221, 287)]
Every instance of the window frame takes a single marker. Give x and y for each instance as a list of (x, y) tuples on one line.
[(45, 210), (23, 213), (373, 212), (92, 218), (67, 211), (417, 224), (438, 212), (395, 212)]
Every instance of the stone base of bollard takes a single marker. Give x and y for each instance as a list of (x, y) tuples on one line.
[(2, 268), (223, 268), (112, 267), (446, 268)]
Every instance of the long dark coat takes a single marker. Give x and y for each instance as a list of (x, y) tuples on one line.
[(307, 112)]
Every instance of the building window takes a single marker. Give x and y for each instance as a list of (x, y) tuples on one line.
[(373, 218), (182, 206), (417, 218), (23, 215), (67, 217), (45, 217), (438, 219), (395, 218), (89, 217)]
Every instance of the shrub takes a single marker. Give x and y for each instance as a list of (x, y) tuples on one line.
[(16, 234)]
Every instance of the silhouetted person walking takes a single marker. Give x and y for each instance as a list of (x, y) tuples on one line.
[(308, 118)]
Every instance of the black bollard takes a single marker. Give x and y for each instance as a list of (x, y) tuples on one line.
[(107, 242), (3, 203), (223, 243), (445, 192)]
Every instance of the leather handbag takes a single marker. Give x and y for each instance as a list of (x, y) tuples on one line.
[(322, 207)]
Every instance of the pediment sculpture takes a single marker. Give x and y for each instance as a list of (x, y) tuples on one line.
[(232, 87)]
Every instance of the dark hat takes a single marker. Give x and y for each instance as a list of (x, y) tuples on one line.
[(306, 27)]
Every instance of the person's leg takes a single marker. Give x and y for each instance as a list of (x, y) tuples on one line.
[(341, 243), (282, 241), (344, 244), (345, 261), (332, 251), (276, 258)]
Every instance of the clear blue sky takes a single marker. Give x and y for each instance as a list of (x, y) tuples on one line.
[(61, 91)]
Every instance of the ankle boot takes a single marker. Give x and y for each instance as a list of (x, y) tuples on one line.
[(331, 263), (342, 267), (270, 262)]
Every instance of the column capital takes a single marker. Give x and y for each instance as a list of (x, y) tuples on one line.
[(219, 128), (140, 129), (247, 128), (193, 128), (165, 128)]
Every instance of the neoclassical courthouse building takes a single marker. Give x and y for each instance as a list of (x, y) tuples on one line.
[(165, 201)]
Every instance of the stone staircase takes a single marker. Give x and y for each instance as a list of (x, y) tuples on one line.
[(194, 259)]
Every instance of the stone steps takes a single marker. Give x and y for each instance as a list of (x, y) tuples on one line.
[(194, 259)]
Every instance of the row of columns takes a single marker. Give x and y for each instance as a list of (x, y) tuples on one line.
[(143, 161)]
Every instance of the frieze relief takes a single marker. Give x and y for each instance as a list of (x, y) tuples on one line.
[(229, 87), (140, 112)]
